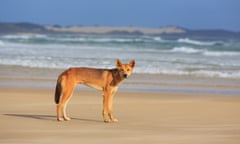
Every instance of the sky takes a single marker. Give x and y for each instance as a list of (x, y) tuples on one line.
[(191, 14)]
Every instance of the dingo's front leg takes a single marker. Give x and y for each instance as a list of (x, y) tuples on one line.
[(110, 106), (105, 106)]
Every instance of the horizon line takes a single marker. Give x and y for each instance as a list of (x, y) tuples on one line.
[(133, 26)]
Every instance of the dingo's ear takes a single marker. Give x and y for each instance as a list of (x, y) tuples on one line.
[(132, 63), (118, 63)]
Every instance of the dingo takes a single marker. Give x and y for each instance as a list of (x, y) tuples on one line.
[(106, 80)]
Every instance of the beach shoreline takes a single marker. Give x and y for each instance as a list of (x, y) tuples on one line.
[(26, 77)]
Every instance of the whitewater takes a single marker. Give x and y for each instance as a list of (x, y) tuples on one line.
[(153, 54)]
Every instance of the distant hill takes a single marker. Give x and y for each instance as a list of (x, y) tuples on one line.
[(168, 31), (11, 28)]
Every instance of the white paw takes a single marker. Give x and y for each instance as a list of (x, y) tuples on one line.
[(67, 118), (60, 119), (115, 120)]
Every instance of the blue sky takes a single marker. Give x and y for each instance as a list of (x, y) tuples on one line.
[(192, 14)]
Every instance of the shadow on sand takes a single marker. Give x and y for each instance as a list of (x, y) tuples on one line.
[(47, 117)]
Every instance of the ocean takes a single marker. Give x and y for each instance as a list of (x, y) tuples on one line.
[(153, 54)]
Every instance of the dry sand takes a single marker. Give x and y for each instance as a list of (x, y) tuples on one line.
[(28, 116)]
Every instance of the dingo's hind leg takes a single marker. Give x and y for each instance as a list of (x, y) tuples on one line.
[(65, 101), (59, 112), (61, 107)]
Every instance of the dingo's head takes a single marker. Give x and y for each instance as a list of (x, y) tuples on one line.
[(125, 70)]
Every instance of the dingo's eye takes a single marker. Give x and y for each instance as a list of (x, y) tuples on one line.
[(128, 69)]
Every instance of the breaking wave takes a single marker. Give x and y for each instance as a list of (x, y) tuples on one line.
[(196, 42), (154, 55), (185, 50), (204, 52)]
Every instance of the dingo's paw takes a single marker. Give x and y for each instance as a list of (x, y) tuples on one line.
[(60, 119), (114, 120), (107, 121), (67, 118)]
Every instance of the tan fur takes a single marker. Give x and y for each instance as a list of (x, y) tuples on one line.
[(106, 80)]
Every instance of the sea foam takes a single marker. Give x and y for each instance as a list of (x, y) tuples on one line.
[(185, 50), (195, 42)]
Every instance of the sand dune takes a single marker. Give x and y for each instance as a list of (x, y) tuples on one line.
[(105, 29)]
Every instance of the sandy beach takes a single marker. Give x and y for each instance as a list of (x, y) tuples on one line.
[(28, 116), (27, 112)]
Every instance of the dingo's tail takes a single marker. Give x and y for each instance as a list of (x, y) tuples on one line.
[(58, 91)]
